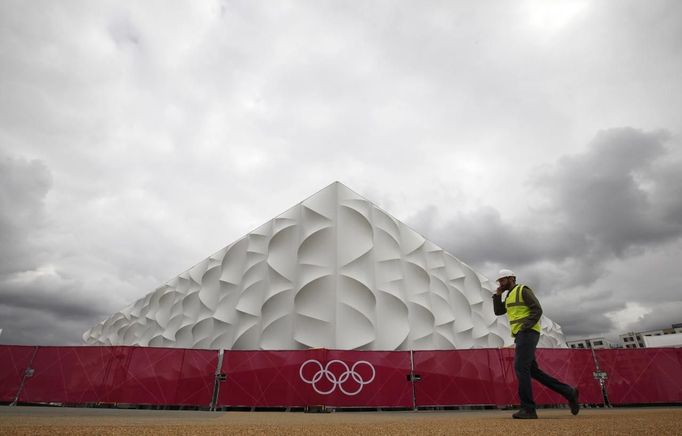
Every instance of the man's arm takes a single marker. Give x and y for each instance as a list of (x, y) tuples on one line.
[(498, 305), (534, 306)]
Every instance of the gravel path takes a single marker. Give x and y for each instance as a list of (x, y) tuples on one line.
[(79, 421)]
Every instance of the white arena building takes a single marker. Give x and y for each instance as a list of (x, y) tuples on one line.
[(334, 272)]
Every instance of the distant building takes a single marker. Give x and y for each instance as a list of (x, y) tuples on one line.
[(640, 339), (668, 337), (595, 343), (669, 340)]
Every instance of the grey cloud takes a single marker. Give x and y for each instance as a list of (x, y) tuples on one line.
[(595, 208), (38, 303), (23, 187), (580, 323), (170, 135), (582, 312), (29, 326), (123, 31), (600, 192), (618, 200), (50, 292), (662, 315)]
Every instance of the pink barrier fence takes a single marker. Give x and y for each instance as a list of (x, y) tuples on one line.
[(13, 362), (67, 375), (316, 377), (334, 378), (465, 377), (135, 375), (645, 375), (264, 378), (372, 379), (575, 367), (162, 376), (487, 376)]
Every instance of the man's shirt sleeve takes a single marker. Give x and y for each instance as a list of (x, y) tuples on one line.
[(498, 305), (534, 306)]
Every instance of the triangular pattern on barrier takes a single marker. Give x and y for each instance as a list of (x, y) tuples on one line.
[(574, 367), (640, 376), (196, 379), (14, 359), (84, 375), (247, 371), (72, 375)]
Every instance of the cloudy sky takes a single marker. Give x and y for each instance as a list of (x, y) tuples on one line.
[(137, 138)]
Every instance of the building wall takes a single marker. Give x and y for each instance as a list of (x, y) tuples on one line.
[(596, 343), (334, 271), (668, 340), (638, 339)]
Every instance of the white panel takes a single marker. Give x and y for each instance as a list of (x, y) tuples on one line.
[(334, 271)]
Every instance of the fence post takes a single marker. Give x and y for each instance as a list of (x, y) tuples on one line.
[(414, 391), (28, 372), (601, 377), (218, 378)]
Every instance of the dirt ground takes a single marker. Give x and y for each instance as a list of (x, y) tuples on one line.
[(82, 421)]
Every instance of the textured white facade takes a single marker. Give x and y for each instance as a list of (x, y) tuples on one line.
[(334, 271)]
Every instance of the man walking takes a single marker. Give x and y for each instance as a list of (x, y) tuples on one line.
[(524, 312)]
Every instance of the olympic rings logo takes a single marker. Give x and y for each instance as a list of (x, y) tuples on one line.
[(347, 375)]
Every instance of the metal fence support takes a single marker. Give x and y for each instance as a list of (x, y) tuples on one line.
[(411, 377), (28, 372), (219, 378), (601, 377)]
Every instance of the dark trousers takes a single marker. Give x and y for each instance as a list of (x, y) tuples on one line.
[(526, 367)]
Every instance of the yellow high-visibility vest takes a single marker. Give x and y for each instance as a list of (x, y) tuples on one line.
[(517, 310)]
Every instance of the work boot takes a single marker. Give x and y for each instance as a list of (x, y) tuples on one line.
[(525, 414), (573, 402)]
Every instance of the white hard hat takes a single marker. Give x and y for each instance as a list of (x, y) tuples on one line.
[(505, 273)]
